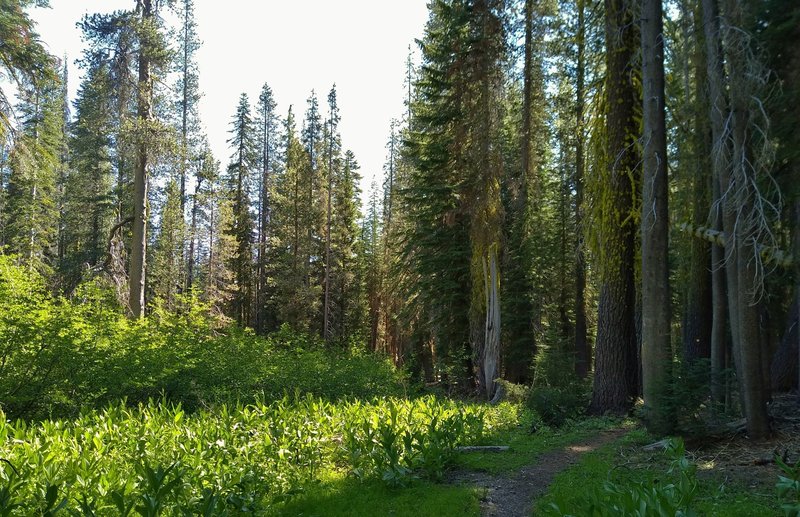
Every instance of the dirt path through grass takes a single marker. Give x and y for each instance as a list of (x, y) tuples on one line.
[(513, 494)]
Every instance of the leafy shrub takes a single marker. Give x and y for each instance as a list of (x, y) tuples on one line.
[(514, 393), (57, 356), (556, 405), (788, 486), (156, 459), (396, 438)]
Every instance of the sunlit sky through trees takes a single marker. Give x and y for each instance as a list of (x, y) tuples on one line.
[(294, 46)]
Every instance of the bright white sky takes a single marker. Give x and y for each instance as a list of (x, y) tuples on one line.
[(295, 46)]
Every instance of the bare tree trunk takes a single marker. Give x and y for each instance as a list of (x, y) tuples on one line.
[(582, 355), (193, 234), (656, 313), (491, 343), (699, 310), (144, 114), (185, 107)]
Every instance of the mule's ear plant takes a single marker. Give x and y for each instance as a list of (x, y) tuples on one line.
[(788, 487)]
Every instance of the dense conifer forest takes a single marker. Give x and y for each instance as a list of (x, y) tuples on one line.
[(586, 229)]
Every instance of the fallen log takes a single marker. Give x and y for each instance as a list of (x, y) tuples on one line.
[(482, 448)]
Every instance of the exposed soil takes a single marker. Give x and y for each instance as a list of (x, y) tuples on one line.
[(726, 459), (512, 495), (750, 463)]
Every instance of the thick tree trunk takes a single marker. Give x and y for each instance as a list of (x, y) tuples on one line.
[(144, 114), (656, 313), (755, 392), (731, 156), (616, 367)]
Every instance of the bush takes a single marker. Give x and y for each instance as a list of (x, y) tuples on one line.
[(57, 356), (556, 405), (788, 486)]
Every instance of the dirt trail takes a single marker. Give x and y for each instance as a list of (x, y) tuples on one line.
[(512, 495)]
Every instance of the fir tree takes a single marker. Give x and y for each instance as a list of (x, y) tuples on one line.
[(267, 144), (243, 164), (32, 221), (89, 197)]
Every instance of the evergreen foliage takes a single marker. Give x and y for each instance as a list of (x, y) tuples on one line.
[(509, 238)]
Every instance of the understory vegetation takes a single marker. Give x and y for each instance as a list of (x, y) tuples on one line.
[(156, 459), (58, 355), (194, 416)]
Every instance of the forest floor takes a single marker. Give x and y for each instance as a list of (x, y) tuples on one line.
[(738, 461), (553, 471), (736, 476), (512, 494)]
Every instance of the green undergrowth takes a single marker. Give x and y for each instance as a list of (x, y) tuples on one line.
[(58, 356), (340, 496), (527, 439), (157, 460), (623, 479)]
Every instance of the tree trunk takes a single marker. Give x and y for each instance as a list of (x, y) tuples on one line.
[(656, 313), (731, 154), (616, 367), (784, 368), (193, 234), (795, 316), (582, 353), (699, 309), (263, 222), (144, 114), (796, 313), (327, 333), (491, 343)]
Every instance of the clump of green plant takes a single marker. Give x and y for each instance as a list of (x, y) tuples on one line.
[(514, 393), (788, 487), (396, 439), (60, 355), (555, 405), (156, 459), (673, 498)]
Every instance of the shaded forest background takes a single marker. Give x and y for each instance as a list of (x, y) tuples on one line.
[(519, 232)]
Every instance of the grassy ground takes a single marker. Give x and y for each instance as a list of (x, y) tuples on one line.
[(626, 463), (526, 446), (340, 496), (623, 462)]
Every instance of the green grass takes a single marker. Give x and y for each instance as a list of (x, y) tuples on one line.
[(526, 446), (625, 463), (347, 497)]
